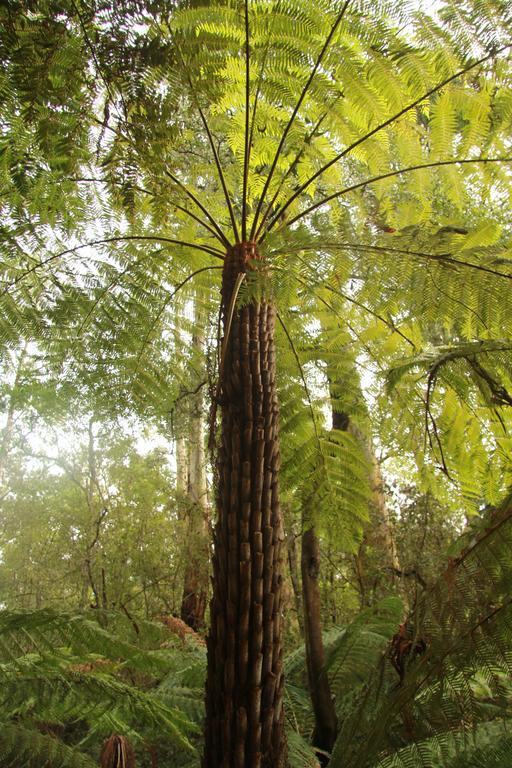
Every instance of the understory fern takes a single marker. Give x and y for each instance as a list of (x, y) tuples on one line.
[(68, 683)]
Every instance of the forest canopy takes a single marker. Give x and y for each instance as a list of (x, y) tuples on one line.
[(255, 384)]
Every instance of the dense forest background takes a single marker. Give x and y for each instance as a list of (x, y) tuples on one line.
[(212, 212)]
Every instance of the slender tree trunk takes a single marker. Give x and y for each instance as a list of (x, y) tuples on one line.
[(379, 534), (291, 545), (5, 440), (244, 691), (195, 583), (326, 723), (181, 469)]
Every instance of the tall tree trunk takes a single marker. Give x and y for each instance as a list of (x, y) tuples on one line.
[(291, 545), (5, 440), (195, 583), (326, 723), (379, 534), (181, 470), (244, 691)]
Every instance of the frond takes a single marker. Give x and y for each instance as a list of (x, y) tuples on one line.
[(27, 748), (459, 630)]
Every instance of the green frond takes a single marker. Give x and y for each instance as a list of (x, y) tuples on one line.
[(27, 748), (451, 642)]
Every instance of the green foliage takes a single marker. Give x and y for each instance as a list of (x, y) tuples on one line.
[(365, 148), (459, 631), (68, 682)]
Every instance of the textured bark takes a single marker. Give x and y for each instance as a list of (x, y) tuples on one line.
[(244, 691), (326, 724)]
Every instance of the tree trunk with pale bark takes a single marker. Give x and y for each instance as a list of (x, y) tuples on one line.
[(379, 533), (293, 567), (195, 583), (326, 722), (244, 692)]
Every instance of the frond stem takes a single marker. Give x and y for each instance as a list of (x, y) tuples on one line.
[(288, 173), (439, 257), (390, 174), (164, 306), (247, 147), (298, 105), (143, 190), (378, 128), (199, 204), (125, 238), (215, 154)]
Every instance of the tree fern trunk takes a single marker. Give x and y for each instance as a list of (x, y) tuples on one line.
[(326, 723), (244, 712)]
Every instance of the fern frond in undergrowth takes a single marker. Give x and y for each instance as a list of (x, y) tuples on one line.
[(62, 669), (488, 746), (459, 630), (351, 654), (22, 747)]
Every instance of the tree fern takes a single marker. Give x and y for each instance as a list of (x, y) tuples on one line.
[(204, 124)]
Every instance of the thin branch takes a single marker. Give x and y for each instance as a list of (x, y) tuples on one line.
[(302, 96), (375, 130), (199, 204), (164, 306), (390, 174), (429, 418), (59, 462), (189, 393), (91, 243), (500, 395)]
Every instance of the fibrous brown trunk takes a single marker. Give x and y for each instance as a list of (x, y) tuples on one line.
[(326, 724), (244, 712)]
